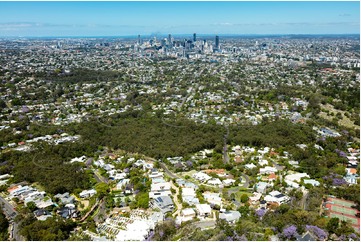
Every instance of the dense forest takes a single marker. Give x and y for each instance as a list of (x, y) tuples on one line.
[(4, 225), (135, 131)]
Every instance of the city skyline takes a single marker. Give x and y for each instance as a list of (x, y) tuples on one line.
[(40, 19)]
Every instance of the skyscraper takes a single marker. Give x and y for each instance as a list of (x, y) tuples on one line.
[(139, 40), (170, 41), (194, 37), (217, 42)]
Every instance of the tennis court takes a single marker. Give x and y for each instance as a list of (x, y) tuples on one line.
[(342, 203), (344, 218), (344, 210)]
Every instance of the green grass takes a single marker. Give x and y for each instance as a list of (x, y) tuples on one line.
[(240, 193)]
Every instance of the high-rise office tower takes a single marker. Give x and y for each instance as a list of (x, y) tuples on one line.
[(170, 41), (217, 42), (194, 37), (139, 41)]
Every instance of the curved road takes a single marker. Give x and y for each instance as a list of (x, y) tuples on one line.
[(11, 213), (169, 173), (246, 184)]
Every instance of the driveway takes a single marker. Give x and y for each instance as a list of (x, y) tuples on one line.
[(177, 203)]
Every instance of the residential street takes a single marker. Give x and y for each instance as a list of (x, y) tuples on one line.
[(11, 213)]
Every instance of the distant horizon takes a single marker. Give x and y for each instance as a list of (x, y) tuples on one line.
[(178, 35), (150, 18)]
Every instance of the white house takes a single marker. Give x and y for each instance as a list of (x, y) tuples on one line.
[(160, 189), (186, 214), (255, 198), (250, 166), (276, 196), (122, 184), (296, 177), (215, 182), (261, 187), (202, 177), (230, 216), (203, 210), (312, 182), (267, 170), (228, 182), (87, 193), (292, 184), (213, 198), (263, 162), (155, 174)]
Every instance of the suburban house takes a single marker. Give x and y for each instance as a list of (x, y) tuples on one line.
[(276, 197), (351, 176), (214, 182), (267, 170), (159, 189), (189, 196), (155, 174), (261, 187), (230, 216), (186, 214), (228, 182), (213, 198), (122, 183), (163, 203), (42, 214), (87, 193), (65, 198), (313, 182), (296, 177), (203, 210), (202, 177), (250, 166)]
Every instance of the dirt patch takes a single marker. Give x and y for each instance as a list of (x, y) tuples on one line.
[(345, 121), (85, 203)]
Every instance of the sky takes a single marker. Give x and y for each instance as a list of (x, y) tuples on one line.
[(146, 18)]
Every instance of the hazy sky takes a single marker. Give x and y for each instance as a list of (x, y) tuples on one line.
[(132, 18)]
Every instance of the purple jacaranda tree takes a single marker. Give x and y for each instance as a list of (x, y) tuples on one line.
[(318, 232), (150, 236), (353, 237), (261, 212), (338, 181), (25, 109), (289, 232)]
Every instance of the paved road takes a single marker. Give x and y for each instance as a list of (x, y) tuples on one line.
[(246, 184), (101, 215), (99, 178), (208, 224), (168, 172), (11, 213)]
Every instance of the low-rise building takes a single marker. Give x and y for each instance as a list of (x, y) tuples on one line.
[(203, 210), (230, 216), (163, 203), (87, 193), (160, 189)]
